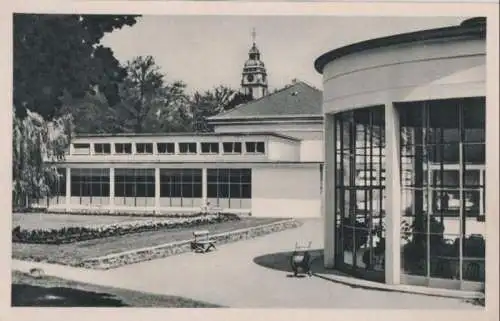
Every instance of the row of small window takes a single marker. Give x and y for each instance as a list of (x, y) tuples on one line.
[(169, 148)]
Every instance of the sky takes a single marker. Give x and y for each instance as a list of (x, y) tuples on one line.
[(205, 51)]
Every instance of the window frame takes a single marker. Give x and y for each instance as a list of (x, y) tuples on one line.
[(256, 145), (210, 145), (124, 149), (144, 148), (103, 150), (233, 148), (166, 144), (188, 149)]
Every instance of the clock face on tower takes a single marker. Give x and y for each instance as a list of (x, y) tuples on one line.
[(250, 78)]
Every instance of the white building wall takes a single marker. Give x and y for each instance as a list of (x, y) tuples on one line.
[(311, 150), (405, 73), (286, 191), (309, 130), (281, 150)]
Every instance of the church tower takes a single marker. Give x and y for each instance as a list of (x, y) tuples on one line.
[(254, 76)]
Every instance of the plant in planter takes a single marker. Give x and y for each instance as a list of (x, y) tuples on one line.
[(378, 254), (415, 251), (473, 246), (354, 235)]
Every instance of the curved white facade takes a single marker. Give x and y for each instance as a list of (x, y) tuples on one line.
[(370, 88), (420, 71)]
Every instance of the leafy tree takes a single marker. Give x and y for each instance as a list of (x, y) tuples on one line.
[(91, 114), (213, 102), (58, 54), (36, 144), (149, 104), (55, 56)]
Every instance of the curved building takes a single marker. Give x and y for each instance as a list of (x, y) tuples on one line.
[(405, 175)]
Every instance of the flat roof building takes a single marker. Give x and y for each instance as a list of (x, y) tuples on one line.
[(263, 159)]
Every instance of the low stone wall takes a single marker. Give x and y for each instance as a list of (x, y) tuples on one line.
[(162, 251)]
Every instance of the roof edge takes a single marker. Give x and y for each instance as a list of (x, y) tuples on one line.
[(474, 27), (297, 82), (267, 118), (186, 134)]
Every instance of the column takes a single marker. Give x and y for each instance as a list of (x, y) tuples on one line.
[(92, 150), (157, 190), (481, 191), (112, 189), (203, 186), (393, 196), (68, 189), (328, 197)]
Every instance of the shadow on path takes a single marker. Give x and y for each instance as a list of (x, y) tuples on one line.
[(31, 295), (281, 261)]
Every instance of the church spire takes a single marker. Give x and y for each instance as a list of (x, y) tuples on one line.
[(254, 76)]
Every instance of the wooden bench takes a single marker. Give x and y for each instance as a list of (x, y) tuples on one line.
[(202, 242)]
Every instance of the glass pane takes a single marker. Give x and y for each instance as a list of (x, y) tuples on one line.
[(474, 153), (444, 153), (444, 254), (446, 178), (359, 184), (414, 253), (473, 266)]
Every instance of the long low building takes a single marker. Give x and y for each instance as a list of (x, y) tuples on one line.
[(242, 167)]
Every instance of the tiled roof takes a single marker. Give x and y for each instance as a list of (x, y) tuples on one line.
[(298, 99)]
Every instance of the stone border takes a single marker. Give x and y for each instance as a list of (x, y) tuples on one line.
[(161, 251)]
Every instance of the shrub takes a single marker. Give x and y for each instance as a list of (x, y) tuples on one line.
[(85, 233)]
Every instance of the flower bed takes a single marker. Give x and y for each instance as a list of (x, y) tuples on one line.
[(89, 232), (162, 251)]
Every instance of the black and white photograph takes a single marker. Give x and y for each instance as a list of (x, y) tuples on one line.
[(251, 161)]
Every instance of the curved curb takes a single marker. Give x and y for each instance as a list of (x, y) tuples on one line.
[(401, 288), (161, 251)]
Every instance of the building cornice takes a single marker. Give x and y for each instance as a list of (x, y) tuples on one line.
[(472, 28), (183, 135), (267, 119)]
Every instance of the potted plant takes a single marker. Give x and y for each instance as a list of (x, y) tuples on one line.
[(415, 251), (354, 235)]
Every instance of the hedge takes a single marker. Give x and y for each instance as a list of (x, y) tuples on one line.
[(84, 233)]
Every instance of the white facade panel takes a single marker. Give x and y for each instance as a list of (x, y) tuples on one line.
[(311, 151), (286, 191), (278, 149), (310, 130), (434, 71)]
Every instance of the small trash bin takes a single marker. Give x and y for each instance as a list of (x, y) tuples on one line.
[(300, 261)]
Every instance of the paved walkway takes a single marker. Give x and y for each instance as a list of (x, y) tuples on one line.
[(230, 277)]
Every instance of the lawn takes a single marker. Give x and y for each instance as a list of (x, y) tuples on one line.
[(55, 292), (30, 221), (74, 253)]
